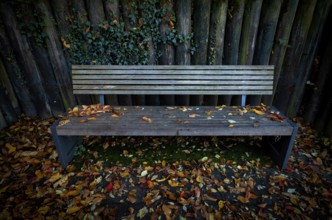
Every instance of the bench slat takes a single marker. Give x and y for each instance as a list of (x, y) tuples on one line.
[(167, 82), (172, 77), (172, 72), (178, 67), (163, 92)]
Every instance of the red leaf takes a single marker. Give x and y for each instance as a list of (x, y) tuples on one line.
[(109, 187)]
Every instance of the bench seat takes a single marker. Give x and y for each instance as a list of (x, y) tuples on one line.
[(174, 121)]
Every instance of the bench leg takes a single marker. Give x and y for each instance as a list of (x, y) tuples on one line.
[(65, 145), (280, 147)]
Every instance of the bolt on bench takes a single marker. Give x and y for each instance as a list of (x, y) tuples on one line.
[(277, 131)]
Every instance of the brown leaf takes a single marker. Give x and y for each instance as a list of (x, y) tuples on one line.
[(132, 196)]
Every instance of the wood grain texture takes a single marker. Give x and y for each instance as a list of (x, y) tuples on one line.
[(207, 121), (173, 80)]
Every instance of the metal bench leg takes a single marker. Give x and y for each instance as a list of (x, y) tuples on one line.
[(280, 147), (65, 145)]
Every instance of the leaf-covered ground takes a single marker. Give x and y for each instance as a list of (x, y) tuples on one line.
[(161, 178)]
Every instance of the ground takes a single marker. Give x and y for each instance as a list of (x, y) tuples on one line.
[(161, 177)]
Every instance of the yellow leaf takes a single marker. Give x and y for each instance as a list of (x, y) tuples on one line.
[(43, 210), (319, 161), (193, 115), (10, 147), (294, 201), (74, 209), (124, 174), (162, 180), (258, 112), (55, 177), (221, 204), (115, 116), (199, 179), (242, 199), (147, 119)]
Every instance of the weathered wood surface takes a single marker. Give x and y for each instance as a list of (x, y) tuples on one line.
[(178, 79), (201, 25), (182, 54), (310, 49), (232, 38), (298, 38), (286, 17), (167, 50), (265, 37), (56, 55), (16, 76), (174, 121), (26, 60)]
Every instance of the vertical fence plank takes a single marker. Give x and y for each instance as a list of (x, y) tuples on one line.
[(182, 55), (3, 122), (4, 79), (112, 9), (267, 29), (26, 60), (78, 9), (232, 38), (201, 21), (167, 50), (216, 39), (16, 76), (285, 23), (57, 58), (41, 56), (316, 96), (307, 58), (249, 31), (293, 55), (6, 107)]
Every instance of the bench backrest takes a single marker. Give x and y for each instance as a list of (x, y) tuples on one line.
[(173, 79)]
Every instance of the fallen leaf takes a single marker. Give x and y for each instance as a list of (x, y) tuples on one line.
[(109, 187), (74, 209), (132, 196), (193, 115), (149, 120), (55, 177), (10, 148), (258, 112)]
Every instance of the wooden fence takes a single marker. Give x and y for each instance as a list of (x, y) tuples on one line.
[(35, 80)]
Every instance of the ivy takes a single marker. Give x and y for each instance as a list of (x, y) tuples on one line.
[(117, 42), (34, 27)]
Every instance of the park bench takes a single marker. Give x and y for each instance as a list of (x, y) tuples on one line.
[(277, 131)]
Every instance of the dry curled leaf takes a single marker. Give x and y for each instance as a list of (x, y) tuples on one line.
[(147, 119)]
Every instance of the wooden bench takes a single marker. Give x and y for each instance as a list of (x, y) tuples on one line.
[(277, 131)]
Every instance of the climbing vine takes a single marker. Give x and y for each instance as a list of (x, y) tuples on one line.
[(118, 42), (31, 24)]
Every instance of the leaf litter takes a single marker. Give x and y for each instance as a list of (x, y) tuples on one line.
[(202, 182)]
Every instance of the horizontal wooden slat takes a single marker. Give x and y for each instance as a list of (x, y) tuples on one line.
[(208, 121), (172, 72), (171, 77), (171, 82), (163, 92), (171, 87), (178, 67)]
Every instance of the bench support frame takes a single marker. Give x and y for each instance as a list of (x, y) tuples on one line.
[(280, 147), (65, 145)]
